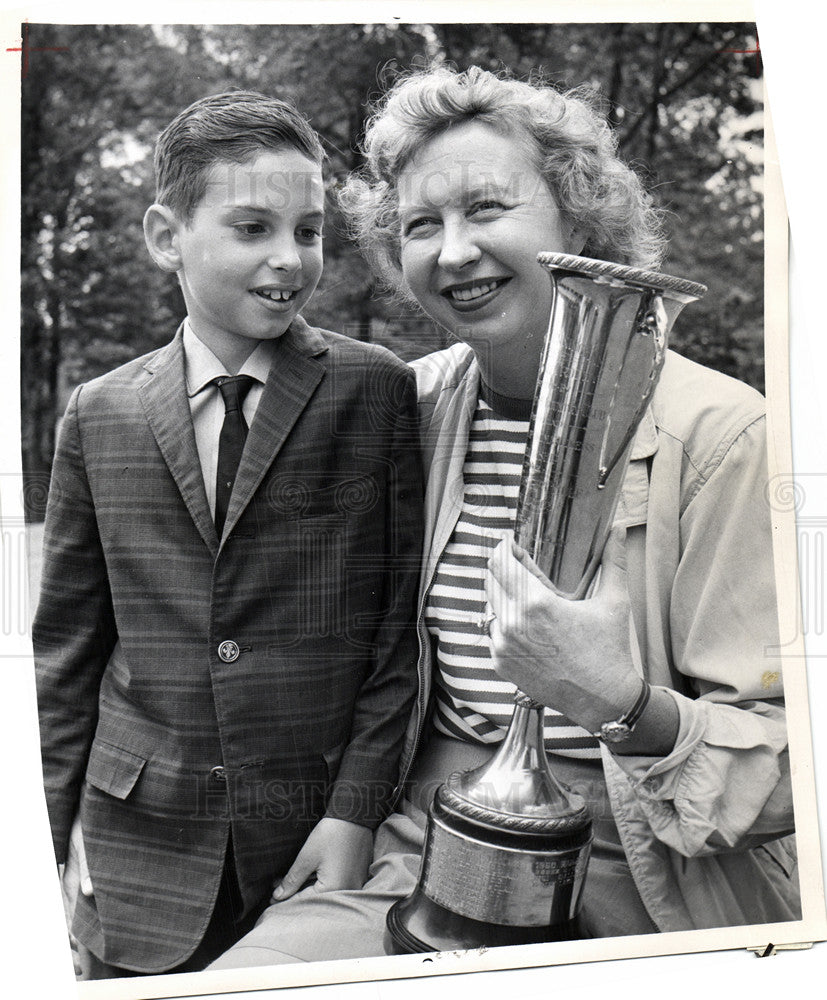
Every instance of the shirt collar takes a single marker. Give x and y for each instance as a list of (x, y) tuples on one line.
[(202, 366)]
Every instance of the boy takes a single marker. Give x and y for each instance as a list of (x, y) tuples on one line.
[(223, 659)]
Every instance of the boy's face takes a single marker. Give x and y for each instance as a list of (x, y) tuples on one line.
[(251, 256)]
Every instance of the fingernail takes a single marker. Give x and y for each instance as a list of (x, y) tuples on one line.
[(278, 892)]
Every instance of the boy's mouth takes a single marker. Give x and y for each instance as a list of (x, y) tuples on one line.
[(275, 294)]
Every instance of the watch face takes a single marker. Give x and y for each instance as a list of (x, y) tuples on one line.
[(615, 732)]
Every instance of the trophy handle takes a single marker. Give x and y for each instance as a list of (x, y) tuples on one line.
[(652, 322)]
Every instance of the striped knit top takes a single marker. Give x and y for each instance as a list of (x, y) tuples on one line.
[(472, 702)]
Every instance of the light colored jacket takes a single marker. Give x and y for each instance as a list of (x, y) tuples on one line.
[(704, 828)]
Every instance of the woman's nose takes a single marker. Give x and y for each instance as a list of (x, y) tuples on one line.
[(458, 247)]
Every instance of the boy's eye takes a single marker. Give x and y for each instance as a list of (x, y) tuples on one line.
[(310, 233), (249, 228)]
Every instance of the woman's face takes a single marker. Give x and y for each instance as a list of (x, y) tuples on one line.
[(474, 213)]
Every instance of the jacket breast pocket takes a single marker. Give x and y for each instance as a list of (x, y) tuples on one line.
[(112, 769), (295, 496)]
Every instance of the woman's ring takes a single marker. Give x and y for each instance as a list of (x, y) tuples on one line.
[(486, 623)]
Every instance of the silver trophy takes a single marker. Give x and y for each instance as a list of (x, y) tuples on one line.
[(507, 845)]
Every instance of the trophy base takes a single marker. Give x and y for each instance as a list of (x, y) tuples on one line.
[(417, 924)]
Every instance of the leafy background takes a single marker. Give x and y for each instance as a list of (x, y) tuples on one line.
[(685, 99)]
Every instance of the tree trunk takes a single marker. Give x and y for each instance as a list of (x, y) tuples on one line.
[(658, 77), (615, 87)]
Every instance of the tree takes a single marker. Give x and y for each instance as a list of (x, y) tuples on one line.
[(687, 114)]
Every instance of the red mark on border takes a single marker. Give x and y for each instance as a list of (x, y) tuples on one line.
[(749, 52), (27, 49)]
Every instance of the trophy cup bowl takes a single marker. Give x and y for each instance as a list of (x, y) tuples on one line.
[(507, 845)]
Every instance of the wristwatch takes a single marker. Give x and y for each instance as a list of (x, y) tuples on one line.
[(619, 730)]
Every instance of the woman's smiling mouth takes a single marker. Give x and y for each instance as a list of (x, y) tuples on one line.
[(473, 293)]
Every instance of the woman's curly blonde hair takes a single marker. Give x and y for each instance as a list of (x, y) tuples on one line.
[(576, 154)]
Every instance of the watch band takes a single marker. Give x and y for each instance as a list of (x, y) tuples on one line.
[(619, 730)]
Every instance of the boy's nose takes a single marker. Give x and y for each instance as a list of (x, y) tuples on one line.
[(458, 247), (284, 256)]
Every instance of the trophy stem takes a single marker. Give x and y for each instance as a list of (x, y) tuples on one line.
[(517, 788), (523, 742)]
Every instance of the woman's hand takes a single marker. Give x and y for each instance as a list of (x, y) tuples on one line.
[(571, 655)]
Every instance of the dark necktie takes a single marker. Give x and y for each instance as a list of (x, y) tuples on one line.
[(233, 390)]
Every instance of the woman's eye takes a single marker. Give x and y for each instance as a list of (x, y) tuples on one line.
[(418, 226), (487, 205)]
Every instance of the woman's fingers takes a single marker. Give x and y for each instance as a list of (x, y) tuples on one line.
[(513, 586), (512, 566), (520, 578)]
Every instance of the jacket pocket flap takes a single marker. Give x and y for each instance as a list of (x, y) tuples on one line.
[(112, 769), (783, 852)]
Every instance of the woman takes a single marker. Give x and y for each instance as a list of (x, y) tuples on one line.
[(468, 177)]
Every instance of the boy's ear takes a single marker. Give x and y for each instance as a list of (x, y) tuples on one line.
[(161, 228)]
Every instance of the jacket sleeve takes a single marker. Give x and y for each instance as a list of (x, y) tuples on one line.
[(364, 789), (726, 785), (73, 632)]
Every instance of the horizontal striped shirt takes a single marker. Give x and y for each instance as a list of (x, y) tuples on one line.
[(472, 702)]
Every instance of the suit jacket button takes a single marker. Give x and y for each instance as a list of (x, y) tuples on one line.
[(228, 651), (218, 773)]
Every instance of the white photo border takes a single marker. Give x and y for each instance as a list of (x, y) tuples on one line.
[(35, 898)]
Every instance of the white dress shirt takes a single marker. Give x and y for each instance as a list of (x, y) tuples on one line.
[(201, 367)]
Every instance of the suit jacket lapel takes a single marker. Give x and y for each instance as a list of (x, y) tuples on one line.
[(165, 403), (294, 375)]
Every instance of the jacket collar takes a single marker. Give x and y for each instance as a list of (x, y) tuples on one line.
[(294, 374), (167, 411), (633, 505)]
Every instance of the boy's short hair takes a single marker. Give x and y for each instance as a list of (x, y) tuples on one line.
[(233, 127)]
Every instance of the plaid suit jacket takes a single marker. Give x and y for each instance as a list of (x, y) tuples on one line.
[(164, 738)]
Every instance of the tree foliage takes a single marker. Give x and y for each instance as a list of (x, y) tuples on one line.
[(687, 113)]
